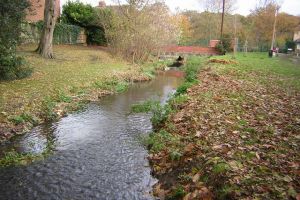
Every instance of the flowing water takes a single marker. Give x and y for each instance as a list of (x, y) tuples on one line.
[(97, 152)]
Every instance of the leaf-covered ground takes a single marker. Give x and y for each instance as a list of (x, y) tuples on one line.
[(77, 74), (236, 137)]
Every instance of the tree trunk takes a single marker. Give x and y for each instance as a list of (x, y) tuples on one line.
[(45, 45)]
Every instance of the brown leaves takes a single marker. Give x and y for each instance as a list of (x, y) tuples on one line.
[(243, 136)]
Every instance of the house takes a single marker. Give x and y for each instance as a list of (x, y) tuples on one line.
[(36, 11), (297, 39)]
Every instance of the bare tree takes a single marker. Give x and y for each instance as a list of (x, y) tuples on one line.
[(140, 28), (45, 45), (216, 6)]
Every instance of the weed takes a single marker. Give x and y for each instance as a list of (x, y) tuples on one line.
[(48, 106), (121, 86), (144, 107), (158, 141), (220, 168), (62, 97), (24, 117), (177, 193), (182, 89), (160, 114), (175, 155), (13, 158)]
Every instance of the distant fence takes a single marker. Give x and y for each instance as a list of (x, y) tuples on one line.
[(63, 33)]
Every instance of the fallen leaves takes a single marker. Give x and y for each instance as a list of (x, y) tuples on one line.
[(240, 138)]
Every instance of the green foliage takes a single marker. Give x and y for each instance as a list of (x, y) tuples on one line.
[(11, 16), (48, 106), (144, 107), (84, 15), (96, 35), (77, 13), (14, 158), (62, 97), (63, 33), (112, 85), (24, 117), (178, 193), (191, 71), (158, 141), (175, 155), (224, 45), (182, 89), (178, 100), (121, 86), (160, 114), (290, 44)]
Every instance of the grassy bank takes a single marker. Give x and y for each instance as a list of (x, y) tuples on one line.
[(234, 134), (76, 75)]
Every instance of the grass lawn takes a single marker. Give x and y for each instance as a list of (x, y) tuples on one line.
[(233, 134), (76, 74)]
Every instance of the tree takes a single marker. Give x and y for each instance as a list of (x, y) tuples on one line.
[(45, 45), (12, 13), (84, 15), (139, 29)]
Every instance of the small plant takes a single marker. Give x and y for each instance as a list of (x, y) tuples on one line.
[(48, 106), (121, 86), (24, 117), (157, 141), (144, 107), (62, 97), (177, 193), (182, 89), (13, 158), (175, 155), (220, 168), (160, 114)]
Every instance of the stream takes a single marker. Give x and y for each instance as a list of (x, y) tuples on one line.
[(97, 153)]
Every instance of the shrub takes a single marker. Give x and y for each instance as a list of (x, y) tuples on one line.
[(225, 44), (11, 17)]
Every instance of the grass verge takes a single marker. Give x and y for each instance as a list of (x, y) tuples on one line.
[(77, 75)]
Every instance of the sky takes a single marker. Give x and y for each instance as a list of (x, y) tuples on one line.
[(243, 6)]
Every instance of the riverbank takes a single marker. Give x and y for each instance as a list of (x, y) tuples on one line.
[(234, 134), (77, 75)]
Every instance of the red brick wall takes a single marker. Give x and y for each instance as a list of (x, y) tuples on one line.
[(191, 50), (36, 11)]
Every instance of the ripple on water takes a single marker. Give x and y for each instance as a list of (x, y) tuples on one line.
[(97, 152)]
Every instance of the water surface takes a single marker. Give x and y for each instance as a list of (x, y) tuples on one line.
[(97, 152)]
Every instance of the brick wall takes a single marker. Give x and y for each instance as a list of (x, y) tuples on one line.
[(36, 12)]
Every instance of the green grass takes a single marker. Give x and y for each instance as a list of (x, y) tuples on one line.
[(76, 74), (277, 70), (144, 107)]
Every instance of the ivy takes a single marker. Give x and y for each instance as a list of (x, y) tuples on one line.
[(63, 33)]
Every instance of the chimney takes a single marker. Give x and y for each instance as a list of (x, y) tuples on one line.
[(102, 4)]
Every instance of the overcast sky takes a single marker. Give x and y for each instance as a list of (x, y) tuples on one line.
[(243, 6)]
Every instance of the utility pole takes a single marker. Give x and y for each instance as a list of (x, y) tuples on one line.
[(222, 23)]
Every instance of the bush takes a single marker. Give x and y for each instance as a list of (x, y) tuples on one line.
[(12, 67), (225, 44), (11, 16)]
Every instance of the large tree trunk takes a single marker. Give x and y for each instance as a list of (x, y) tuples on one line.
[(45, 45)]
